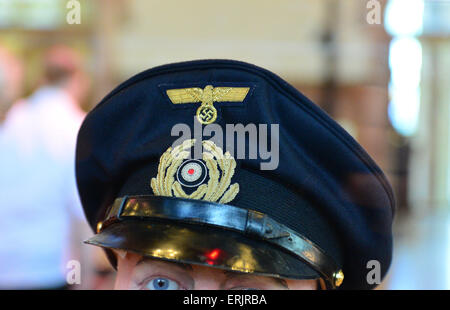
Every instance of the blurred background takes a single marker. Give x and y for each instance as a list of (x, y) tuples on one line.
[(380, 68)]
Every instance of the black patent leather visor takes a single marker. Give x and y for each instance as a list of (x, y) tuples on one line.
[(209, 234)]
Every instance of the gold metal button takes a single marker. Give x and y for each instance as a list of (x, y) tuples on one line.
[(338, 278), (99, 226)]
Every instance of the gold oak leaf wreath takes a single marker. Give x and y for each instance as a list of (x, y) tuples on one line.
[(218, 188)]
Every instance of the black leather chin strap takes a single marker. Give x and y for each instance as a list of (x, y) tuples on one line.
[(248, 222)]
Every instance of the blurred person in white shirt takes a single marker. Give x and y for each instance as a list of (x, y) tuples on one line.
[(38, 195), (11, 80)]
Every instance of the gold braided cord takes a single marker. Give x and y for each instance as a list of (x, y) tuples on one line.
[(214, 174), (224, 183), (169, 179), (163, 162), (155, 187), (172, 157), (230, 194), (226, 163)]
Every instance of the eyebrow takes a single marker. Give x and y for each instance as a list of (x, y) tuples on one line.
[(183, 266), (232, 274), (227, 273)]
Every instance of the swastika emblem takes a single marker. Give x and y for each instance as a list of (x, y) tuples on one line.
[(206, 114)]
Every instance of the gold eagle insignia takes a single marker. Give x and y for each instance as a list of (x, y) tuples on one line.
[(220, 169), (207, 113)]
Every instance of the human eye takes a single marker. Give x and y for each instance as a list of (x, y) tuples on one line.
[(161, 283)]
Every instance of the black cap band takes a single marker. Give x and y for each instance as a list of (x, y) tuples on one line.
[(251, 223)]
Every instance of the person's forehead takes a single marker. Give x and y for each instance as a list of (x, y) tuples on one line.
[(197, 269), (168, 264)]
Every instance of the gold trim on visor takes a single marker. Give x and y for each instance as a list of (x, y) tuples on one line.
[(207, 113)]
